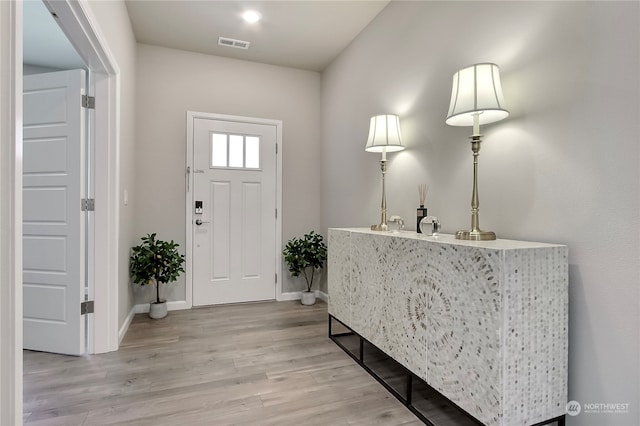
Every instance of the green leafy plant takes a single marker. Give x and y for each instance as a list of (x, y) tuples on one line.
[(155, 261), (304, 254)]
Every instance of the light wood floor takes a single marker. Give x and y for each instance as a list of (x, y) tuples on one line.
[(254, 364)]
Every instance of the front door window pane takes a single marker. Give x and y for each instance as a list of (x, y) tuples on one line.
[(252, 149), (236, 151), (218, 150)]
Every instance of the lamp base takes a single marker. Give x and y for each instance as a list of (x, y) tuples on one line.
[(380, 227), (476, 235)]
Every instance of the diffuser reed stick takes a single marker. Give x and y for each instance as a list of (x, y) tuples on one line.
[(423, 189)]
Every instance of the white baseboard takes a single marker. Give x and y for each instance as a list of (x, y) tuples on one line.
[(126, 324), (143, 309), (176, 305), (293, 295), (296, 295)]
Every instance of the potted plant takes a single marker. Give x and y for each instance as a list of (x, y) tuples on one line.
[(304, 256), (155, 262)]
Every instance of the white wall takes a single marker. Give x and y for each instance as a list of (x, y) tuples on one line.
[(562, 168), (170, 83), (114, 22)]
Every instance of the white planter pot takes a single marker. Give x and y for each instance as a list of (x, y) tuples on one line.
[(158, 310), (308, 298)]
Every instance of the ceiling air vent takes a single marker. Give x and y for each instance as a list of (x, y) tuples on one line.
[(230, 42)]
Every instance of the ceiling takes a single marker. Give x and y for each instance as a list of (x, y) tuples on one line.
[(304, 34), (298, 34)]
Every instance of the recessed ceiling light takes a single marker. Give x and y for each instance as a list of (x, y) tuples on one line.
[(251, 16)]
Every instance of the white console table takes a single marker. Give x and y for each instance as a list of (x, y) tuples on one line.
[(484, 323)]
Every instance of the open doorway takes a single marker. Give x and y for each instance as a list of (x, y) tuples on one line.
[(57, 155), (81, 31)]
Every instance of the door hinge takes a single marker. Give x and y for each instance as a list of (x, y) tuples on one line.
[(89, 102), (276, 278), (87, 204), (276, 213), (276, 149), (86, 307)]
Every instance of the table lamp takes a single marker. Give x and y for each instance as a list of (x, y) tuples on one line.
[(384, 136), (476, 98)]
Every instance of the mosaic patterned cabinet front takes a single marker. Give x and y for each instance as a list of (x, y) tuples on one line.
[(484, 323)]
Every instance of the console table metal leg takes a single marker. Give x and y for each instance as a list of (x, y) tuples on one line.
[(559, 421), (411, 381)]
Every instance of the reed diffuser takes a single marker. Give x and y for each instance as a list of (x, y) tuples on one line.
[(421, 211)]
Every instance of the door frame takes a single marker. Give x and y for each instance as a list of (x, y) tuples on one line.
[(11, 212), (81, 28), (191, 116)]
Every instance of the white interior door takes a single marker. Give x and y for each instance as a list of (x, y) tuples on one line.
[(233, 212), (53, 229)]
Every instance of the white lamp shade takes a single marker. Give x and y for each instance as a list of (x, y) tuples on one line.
[(384, 134), (476, 90)]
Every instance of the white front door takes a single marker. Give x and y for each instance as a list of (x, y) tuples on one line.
[(53, 229), (233, 211)]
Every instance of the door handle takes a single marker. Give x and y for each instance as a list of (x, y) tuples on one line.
[(200, 222)]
